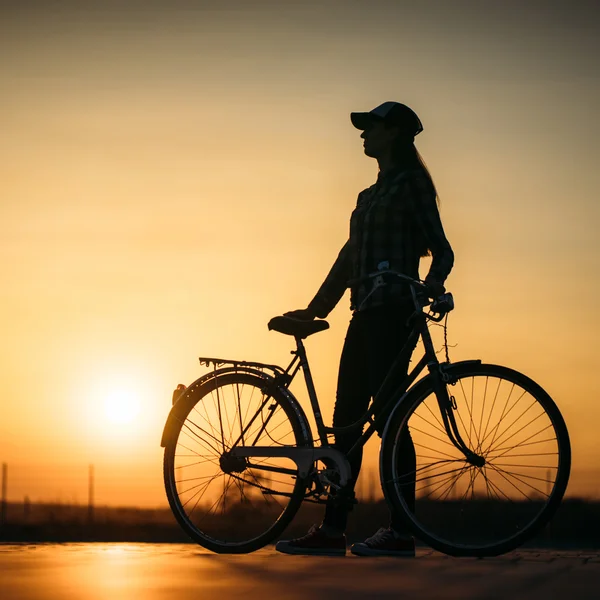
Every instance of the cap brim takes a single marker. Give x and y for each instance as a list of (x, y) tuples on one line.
[(363, 120)]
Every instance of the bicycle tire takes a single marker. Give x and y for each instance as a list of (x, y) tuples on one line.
[(440, 514), (240, 529)]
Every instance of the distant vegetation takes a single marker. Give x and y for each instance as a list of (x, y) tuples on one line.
[(577, 524)]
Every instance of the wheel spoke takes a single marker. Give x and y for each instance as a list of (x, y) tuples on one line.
[(434, 450), (206, 419), (452, 487), (426, 405), (189, 422), (482, 413), (520, 477), (484, 434), (440, 429), (521, 429), (442, 483), (521, 444), (493, 485), (203, 490), (191, 436), (497, 440), (413, 428), (212, 460), (199, 462), (501, 473), (503, 416), (429, 476)]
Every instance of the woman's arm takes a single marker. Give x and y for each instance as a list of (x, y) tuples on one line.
[(427, 218), (334, 286)]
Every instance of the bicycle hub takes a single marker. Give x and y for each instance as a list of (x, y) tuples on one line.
[(475, 459), (232, 464)]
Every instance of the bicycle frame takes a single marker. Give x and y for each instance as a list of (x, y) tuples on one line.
[(436, 490), (387, 391), (395, 385)]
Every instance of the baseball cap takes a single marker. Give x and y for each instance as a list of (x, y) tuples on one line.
[(393, 113)]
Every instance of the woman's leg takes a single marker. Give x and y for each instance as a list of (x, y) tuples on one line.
[(372, 344), (407, 463), (387, 333), (352, 401)]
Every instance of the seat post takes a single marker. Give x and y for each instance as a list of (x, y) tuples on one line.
[(312, 393)]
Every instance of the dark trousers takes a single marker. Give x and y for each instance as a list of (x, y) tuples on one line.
[(374, 340)]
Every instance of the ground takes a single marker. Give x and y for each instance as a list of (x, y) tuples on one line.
[(185, 571)]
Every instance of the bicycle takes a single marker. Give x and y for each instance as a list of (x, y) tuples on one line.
[(492, 449)]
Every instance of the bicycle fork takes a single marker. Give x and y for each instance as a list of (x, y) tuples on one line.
[(447, 406)]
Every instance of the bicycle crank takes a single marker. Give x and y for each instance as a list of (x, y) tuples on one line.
[(303, 457)]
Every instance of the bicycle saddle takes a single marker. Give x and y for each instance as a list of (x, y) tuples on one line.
[(296, 327)]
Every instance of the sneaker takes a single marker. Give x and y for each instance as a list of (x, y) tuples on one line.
[(315, 542), (385, 543)]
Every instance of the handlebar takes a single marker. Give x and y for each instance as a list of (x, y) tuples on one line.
[(420, 292), (417, 283)]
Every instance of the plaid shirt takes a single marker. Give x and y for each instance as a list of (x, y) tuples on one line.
[(396, 221)]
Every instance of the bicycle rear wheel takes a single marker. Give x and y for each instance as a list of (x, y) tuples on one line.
[(226, 504), (465, 509)]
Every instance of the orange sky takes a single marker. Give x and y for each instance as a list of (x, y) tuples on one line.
[(172, 178)]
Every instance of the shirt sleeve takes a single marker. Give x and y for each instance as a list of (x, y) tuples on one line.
[(427, 218), (334, 286)]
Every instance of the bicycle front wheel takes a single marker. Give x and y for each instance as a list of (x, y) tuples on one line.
[(228, 504), (520, 474)]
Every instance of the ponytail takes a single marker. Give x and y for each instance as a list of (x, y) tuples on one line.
[(406, 155)]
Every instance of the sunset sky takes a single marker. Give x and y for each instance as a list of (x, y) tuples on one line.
[(173, 174)]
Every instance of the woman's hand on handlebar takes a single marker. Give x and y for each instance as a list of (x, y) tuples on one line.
[(434, 288), (302, 314)]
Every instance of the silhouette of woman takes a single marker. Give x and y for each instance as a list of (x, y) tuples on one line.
[(396, 221)]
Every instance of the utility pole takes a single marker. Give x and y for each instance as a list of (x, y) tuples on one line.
[(4, 485), (91, 494)]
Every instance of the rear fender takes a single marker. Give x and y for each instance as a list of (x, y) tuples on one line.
[(174, 417), (179, 408)]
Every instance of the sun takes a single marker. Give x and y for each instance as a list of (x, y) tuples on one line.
[(121, 406)]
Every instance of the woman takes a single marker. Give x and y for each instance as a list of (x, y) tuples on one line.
[(396, 221)]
